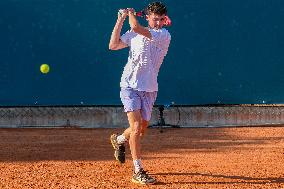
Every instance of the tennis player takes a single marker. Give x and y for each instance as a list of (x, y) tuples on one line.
[(147, 48)]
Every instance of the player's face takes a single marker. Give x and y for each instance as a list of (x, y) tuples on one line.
[(156, 21)]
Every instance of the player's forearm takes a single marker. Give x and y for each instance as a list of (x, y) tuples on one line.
[(115, 35), (133, 22), (136, 27)]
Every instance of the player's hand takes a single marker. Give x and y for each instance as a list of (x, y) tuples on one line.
[(122, 13), (130, 11)]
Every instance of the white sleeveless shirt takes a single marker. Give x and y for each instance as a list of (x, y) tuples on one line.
[(144, 60)]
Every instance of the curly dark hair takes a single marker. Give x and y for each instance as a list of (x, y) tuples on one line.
[(156, 8)]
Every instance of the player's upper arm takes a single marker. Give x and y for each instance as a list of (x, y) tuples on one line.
[(117, 46), (124, 41)]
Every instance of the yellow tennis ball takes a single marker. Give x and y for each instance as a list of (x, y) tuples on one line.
[(44, 68)]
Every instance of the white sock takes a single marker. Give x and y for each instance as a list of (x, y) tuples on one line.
[(137, 165), (121, 139)]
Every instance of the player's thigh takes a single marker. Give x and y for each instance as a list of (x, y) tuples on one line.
[(134, 119)]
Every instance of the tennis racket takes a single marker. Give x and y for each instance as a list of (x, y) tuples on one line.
[(142, 14)]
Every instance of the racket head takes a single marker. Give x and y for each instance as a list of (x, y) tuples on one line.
[(168, 21)]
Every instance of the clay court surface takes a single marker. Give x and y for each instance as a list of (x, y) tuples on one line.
[(243, 157)]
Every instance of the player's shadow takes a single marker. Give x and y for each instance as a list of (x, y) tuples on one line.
[(241, 179), (201, 140)]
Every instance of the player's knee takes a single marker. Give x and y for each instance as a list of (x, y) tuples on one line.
[(136, 129), (135, 133)]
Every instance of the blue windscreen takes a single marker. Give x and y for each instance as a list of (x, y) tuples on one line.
[(222, 52)]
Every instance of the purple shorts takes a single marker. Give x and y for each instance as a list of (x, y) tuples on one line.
[(138, 100)]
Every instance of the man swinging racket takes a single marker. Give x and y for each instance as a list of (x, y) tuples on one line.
[(147, 48)]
